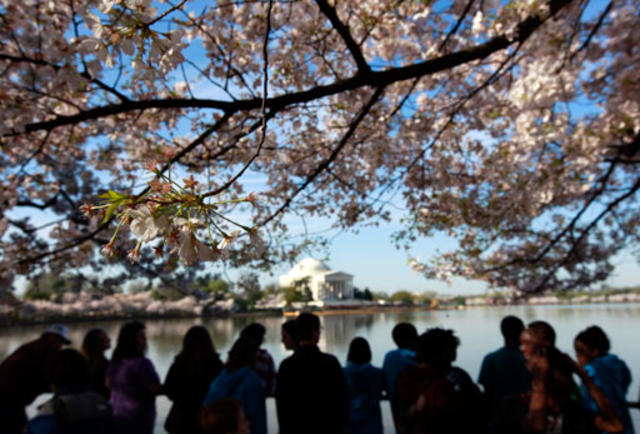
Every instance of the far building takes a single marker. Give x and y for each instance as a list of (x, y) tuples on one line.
[(325, 284)]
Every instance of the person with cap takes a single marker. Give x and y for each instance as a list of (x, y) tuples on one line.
[(23, 376)]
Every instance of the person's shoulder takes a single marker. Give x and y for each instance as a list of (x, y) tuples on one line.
[(329, 359), (459, 372), (412, 371), (265, 355), (252, 375), (145, 362), (495, 354), (286, 363), (392, 353)]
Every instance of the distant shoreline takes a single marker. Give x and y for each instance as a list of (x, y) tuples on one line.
[(11, 320)]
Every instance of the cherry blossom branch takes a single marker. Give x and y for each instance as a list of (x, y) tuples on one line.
[(593, 32), (583, 233), (455, 28), (84, 74), (165, 13), (373, 79), (343, 31), (334, 154), (265, 90), (570, 227)]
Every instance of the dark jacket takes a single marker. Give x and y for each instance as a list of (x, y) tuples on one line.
[(187, 386), (23, 375), (311, 393)]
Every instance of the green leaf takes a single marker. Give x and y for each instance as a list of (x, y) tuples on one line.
[(112, 195), (112, 208)]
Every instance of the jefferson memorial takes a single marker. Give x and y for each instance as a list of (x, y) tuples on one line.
[(325, 284)]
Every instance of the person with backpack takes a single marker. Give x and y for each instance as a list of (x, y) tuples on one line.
[(239, 380), (133, 381), (365, 384), (74, 408)]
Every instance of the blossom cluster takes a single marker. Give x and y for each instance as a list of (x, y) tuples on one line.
[(183, 221)]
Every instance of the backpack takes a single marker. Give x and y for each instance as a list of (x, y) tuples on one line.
[(83, 412)]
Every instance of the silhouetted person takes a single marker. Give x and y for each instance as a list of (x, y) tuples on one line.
[(405, 336), (288, 333), (311, 393), (239, 380), (365, 384), (554, 404), (74, 408), (503, 372), (264, 366), (435, 397), (188, 380), (608, 371), (223, 416), (94, 344), (133, 381), (24, 376)]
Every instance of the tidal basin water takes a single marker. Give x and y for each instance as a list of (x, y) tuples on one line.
[(477, 328)]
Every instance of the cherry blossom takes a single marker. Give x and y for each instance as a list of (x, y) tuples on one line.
[(512, 128)]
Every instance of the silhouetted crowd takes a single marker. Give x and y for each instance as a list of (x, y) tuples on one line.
[(528, 385)]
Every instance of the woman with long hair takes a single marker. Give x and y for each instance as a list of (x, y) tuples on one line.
[(364, 384), (240, 381), (94, 344), (188, 380), (133, 381)]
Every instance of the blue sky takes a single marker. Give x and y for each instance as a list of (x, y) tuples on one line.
[(375, 263)]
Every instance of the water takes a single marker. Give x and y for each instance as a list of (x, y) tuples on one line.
[(477, 328)]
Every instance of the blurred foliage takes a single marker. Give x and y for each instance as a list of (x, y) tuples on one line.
[(403, 297)]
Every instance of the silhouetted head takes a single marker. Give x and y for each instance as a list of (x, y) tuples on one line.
[(223, 416), (438, 347), (55, 336), (255, 331), (511, 328), (132, 341), (242, 353), (359, 351), (288, 332), (198, 341), (307, 328), (405, 335), (95, 343), (68, 368), (590, 344)]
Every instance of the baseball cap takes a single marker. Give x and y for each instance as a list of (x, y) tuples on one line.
[(60, 330)]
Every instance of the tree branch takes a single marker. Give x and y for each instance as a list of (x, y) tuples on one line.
[(372, 79), (326, 163), (343, 31)]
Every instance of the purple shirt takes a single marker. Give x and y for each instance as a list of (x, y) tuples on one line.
[(134, 405)]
